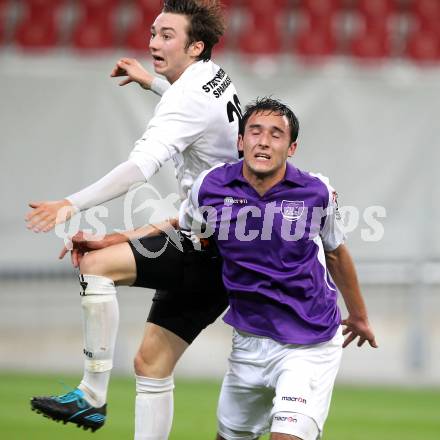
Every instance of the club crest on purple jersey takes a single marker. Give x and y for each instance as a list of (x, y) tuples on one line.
[(292, 210)]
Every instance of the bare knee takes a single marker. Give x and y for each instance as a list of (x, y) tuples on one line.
[(148, 365), (93, 264), (115, 262), (155, 359), (159, 352)]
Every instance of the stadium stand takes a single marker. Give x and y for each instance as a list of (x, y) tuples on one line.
[(423, 43), (318, 36), (373, 36), (39, 25), (427, 14), (2, 21), (96, 29), (263, 27), (371, 30)]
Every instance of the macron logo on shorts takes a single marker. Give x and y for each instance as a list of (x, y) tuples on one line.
[(294, 399), (285, 419)]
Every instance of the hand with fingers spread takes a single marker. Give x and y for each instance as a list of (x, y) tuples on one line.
[(134, 72), (81, 243), (341, 268), (45, 215), (358, 327)]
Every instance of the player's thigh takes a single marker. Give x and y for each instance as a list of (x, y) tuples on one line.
[(162, 264), (159, 352), (197, 300), (115, 262), (243, 409), (245, 401), (291, 425), (304, 383), (159, 263), (294, 414)]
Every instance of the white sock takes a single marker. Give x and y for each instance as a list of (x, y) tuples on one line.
[(94, 386), (100, 320), (154, 408)]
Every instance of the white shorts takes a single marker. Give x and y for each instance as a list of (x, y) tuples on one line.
[(268, 382)]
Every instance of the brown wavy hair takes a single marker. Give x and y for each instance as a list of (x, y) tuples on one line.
[(206, 21)]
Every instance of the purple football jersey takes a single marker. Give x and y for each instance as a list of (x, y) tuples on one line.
[(273, 250)]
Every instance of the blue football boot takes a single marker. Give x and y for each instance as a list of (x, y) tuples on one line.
[(72, 408)]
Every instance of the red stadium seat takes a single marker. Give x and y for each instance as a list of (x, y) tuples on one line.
[(262, 32), (320, 8), (376, 8), (369, 45), (426, 14), (38, 28), (265, 7), (311, 43), (375, 15), (261, 41), (96, 28), (424, 46), (372, 39), (317, 35), (3, 4)]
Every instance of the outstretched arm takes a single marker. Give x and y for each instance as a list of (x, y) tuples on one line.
[(135, 72), (171, 131), (343, 272), (45, 215)]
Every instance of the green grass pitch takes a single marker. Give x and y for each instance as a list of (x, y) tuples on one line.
[(356, 413)]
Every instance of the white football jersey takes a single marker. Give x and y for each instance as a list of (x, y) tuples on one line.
[(195, 123)]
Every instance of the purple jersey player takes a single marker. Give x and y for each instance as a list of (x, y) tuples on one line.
[(278, 231)]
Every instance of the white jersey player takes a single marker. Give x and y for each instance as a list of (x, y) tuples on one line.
[(196, 124)]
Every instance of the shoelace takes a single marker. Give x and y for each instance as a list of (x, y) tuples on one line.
[(70, 397)]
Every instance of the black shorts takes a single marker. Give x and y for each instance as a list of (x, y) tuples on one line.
[(190, 293)]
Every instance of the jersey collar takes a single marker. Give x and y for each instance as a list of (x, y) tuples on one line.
[(190, 70), (234, 173)]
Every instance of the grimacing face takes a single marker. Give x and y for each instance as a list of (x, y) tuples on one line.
[(168, 45), (266, 144)]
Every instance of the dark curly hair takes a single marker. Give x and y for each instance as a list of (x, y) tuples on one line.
[(206, 21), (271, 105)]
